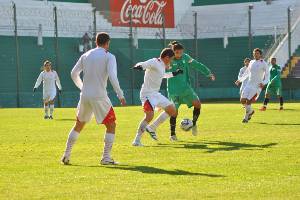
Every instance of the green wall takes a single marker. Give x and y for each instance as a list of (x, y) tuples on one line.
[(215, 2), (225, 63)]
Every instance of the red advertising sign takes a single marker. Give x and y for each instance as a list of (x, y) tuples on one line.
[(145, 13)]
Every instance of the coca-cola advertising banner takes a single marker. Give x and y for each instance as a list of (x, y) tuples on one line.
[(145, 13)]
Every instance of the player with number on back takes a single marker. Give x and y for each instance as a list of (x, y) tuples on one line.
[(49, 77), (150, 95)]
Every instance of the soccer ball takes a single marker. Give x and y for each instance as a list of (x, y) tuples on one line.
[(186, 124)]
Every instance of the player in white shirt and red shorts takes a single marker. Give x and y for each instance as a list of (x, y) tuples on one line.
[(97, 65), (151, 98), (49, 78), (259, 76)]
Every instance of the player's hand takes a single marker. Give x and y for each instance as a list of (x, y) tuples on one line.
[(34, 89), (138, 67), (177, 72), (261, 85), (237, 82), (123, 101), (212, 77)]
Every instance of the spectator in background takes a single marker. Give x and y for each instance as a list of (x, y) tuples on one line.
[(86, 42)]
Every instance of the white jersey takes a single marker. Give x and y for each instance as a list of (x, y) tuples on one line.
[(243, 72), (97, 66), (155, 72), (49, 79)]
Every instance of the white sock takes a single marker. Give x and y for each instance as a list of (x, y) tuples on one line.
[(73, 135), (159, 120), (248, 111), (143, 124), (108, 143), (46, 108), (51, 109)]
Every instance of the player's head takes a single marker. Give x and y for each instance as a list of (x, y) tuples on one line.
[(177, 48), (257, 53), (103, 40), (247, 61), (273, 61), (47, 65), (167, 55)]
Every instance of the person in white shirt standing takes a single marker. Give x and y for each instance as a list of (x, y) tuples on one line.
[(49, 77), (259, 76), (243, 72), (97, 65), (150, 95)]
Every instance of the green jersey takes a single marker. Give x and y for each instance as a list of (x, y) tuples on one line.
[(180, 83), (275, 76)]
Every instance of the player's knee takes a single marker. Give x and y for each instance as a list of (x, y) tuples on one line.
[(243, 101), (79, 126), (171, 110), (46, 103), (197, 104), (111, 127), (149, 116)]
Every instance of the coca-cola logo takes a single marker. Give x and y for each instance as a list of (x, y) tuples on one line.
[(144, 13)]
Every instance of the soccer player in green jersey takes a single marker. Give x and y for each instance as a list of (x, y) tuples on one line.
[(274, 87), (179, 88)]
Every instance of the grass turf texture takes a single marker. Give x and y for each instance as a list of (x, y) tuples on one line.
[(228, 160)]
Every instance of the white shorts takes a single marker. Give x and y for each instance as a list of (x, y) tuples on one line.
[(151, 101), (102, 110), (49, 96), (250, 93)]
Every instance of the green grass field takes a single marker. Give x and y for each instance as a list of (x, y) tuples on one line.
[(228, 160)]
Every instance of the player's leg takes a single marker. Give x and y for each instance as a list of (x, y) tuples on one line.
[(269, 90), (84, 115), (279, 94), (149, 114), (177, 102), (51, 103), (196, 113), (169, 110), (46, 107)]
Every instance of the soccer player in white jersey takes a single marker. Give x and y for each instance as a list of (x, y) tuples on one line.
[(259, 76), (150, 95), (243, 72), (97, 65), (49, 77)]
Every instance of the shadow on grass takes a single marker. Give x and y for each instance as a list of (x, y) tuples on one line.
[(153, 170), (65, 119), (215, 146), (278, 124)]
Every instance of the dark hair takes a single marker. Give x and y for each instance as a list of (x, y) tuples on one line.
[(176, 45), (102, 38), (167, 52), (273, 58), (258, 49), (247, 59)]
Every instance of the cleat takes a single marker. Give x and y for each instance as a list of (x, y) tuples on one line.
[(46, 117), (137, 144), (281, 108), (65, 160), (195, 130), (50, 117), (108, 161), (151, 133), (263, 108), (173, 138), (245, 121), (250, 115)]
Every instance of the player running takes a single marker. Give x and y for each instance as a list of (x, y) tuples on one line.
[(259, 76), (150, 96), (243, 72), (97, 66), (49, 77), (274, 86), (180, 90)]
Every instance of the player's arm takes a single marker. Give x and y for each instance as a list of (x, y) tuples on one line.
[(75, 73), (144, 65), (277, 77), (173, 74), (113, 78), (57, 81), (242, 76), (200, 67), (266, 77), (38, 81)]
